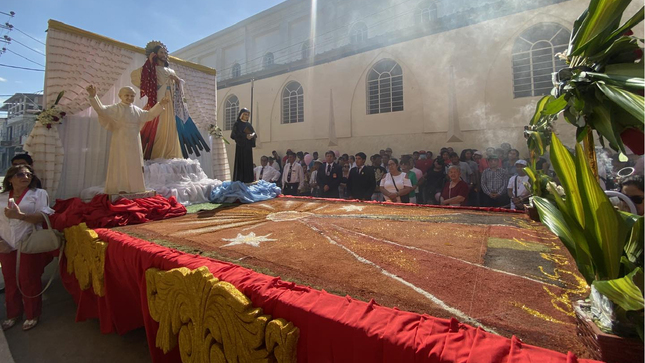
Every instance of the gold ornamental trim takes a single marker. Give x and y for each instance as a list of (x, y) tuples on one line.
[(54, 24), (85, 254), (212, 321)]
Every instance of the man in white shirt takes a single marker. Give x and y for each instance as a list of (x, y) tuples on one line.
[(293, 178), (266, 172), (517, 190)]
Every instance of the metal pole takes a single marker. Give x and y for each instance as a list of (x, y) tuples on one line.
[(252, 85)]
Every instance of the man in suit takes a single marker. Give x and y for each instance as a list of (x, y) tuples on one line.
[(329, 176), (361, 182)]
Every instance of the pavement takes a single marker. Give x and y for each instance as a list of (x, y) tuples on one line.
[(58, 338)]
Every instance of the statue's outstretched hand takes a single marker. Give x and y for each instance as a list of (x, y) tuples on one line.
[(91, 90)]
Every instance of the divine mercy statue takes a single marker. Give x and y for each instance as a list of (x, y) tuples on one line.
[(124, 120), (173, 134)]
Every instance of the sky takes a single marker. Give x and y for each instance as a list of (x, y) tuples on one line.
[(134, 22)]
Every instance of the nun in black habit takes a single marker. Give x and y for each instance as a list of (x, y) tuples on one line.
[(244, 136)]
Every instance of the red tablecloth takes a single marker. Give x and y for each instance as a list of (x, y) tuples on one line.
[(332, 328)]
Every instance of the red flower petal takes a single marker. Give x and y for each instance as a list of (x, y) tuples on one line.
[(633, 139)]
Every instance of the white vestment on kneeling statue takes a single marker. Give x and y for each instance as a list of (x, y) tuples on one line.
[(125, 163)]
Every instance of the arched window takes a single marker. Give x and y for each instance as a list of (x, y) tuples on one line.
[(237, 70), (385, 87), (293, 103), (358, 34), (306, 49), (231, 108), (426, 13), (267, 61), (534, 58)]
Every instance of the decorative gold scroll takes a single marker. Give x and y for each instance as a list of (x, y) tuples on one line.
[(86, 257), (213, 321)]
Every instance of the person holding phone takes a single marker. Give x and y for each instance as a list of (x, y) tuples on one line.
[(24, 205)]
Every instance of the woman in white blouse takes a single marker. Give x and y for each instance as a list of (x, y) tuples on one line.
[(394, 184), (24, 205)]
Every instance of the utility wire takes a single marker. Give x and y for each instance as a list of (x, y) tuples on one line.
[(22, 56), (26, 34), (27, 69), (26, 46)]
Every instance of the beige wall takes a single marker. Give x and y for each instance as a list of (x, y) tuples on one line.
[(479, 56)]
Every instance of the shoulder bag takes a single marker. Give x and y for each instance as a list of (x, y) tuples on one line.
[(40, 241), (404, 198)]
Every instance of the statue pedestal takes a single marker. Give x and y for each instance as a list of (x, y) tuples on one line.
[(146, 194), (183, 179)]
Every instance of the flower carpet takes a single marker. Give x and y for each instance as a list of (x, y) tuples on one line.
[(498, 271)]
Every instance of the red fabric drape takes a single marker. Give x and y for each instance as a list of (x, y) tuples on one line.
[(149, 89), (332, 328), (101, 213), (633, 138), (482, 209)]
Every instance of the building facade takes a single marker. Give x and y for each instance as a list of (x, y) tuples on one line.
[(21, 111), (358, 75)]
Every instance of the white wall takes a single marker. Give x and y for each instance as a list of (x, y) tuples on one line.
[(479, 56)]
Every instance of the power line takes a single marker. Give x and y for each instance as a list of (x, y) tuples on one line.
[(13, 27), (22, 56), (27, 69), (8, 39), (11, 13)]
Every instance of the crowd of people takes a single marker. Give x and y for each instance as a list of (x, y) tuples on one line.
[(494, 177)]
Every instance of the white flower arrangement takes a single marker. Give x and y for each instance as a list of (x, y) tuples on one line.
[(554, 188), (52, 115), (216, 132)]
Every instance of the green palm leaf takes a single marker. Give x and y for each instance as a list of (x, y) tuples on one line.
[(538, 109), (600, 119), (601, 220), (599, 23), (569, 233), (629, 24), (625, 69), (617, 80), (630, 102), (564, 167), (625, 291)]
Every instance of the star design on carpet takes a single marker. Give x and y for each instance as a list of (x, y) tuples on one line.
[(250, 239), (351, 208)]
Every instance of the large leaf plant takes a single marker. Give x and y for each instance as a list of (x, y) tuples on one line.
[(602, 91), (602, 88), (606, 244)]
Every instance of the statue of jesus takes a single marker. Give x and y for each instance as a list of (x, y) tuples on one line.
[(173, 134)]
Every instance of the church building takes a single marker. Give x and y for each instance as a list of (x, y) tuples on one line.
[(363, 75)]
